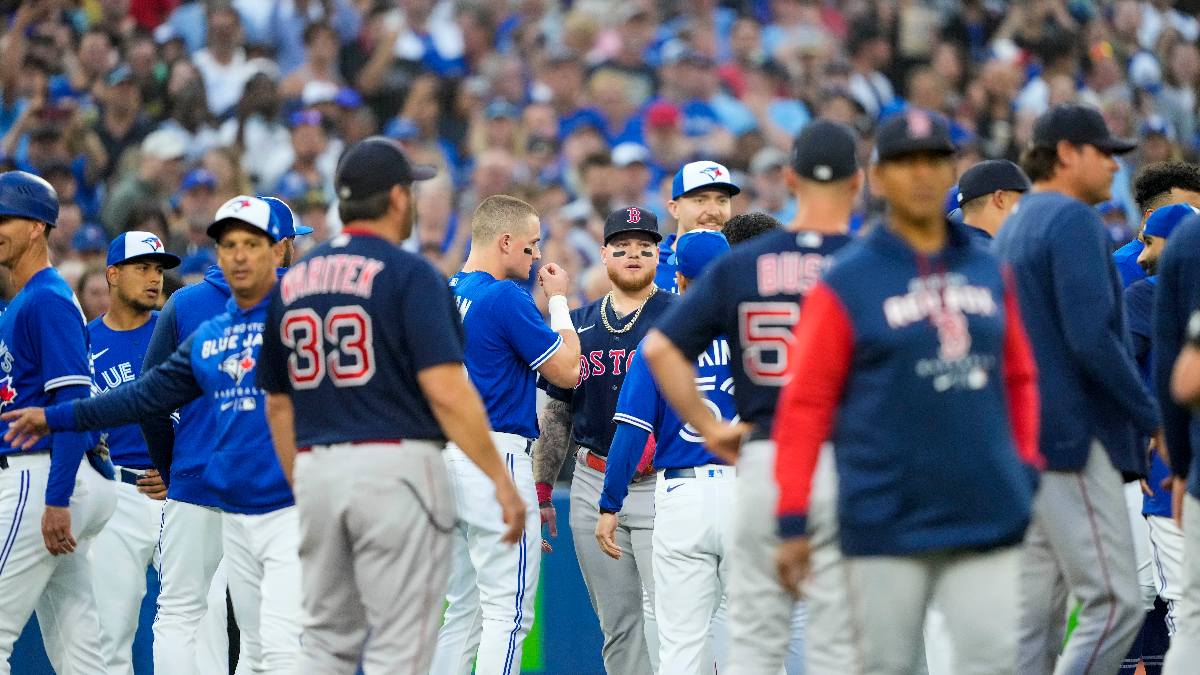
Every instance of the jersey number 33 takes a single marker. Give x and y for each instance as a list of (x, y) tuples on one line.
[(351, 361)]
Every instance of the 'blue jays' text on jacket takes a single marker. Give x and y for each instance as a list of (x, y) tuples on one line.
[(1071, 304), (917, 370), (217, 364), (1178, 295)]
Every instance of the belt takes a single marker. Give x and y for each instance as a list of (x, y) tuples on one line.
[(690, 472), (599, 463), (308, 448), (129, 476), (25, 460)]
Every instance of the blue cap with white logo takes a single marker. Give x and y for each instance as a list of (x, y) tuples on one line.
[(1163, 221), (288, 225), (135, 245), (695, 249), (699, 175), (251, 211)]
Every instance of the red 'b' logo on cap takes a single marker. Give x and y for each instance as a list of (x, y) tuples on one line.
[(634, 215), (919, 124)]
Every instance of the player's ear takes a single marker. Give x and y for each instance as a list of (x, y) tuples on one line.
[(111, 274), (789, 179), (673, 208)]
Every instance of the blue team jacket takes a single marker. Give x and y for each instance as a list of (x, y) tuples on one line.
[(215, 364)]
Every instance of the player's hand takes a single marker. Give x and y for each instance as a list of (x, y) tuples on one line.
[(606, 530), (1146, 489), (56, 530), (513, 508), (25, 427), (1158, 443), (152, 485), (1178, 490), (554, 280), (550, 520), (792, 562), (724, 440)]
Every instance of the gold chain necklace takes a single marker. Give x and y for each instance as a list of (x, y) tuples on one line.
[(608, 301)]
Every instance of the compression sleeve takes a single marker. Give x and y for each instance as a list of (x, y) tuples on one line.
[(67, 450), (623, 457)]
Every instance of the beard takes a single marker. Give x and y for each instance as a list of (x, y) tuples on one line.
[(140, 305), (631, 285)]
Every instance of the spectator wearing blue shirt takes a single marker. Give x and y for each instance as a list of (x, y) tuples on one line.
[(435, 43)]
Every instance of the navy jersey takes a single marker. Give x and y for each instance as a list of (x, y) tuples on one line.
[(117, 359), (348, 329), (506, 342), (664, 274), (604, 360), (752, 294)]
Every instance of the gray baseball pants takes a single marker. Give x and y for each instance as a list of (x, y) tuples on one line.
[(616, 586), (1079, 542), (1184, 655)]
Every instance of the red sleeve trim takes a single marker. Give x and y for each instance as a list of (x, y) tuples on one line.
[(818, 366), (1020, 380)]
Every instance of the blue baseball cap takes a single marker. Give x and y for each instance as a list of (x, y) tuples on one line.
[(699, 175), (501, 108), (288, 225), (90, 237), (251, 211), (1163, 220), (695, 249), (401, 129), (135, 244), (197, 261), (198, 177), (348, 97)]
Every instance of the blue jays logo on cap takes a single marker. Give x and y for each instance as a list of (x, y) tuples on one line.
[(251, 211), (153, 242), (238, 365), (134, 244), (702, 174)]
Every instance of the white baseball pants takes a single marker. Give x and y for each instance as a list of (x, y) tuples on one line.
[(1184, 654), (693, 529), (1079, 542), (1166, 544), (263, 563), (191, 634), (375, 520), (492, 585), (1142, 552), (59, 588)]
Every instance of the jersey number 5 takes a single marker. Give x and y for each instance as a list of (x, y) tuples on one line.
[(766, 333), (351, 362)]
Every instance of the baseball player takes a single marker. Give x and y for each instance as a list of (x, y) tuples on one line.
[(493, 585), (753, 295), (747, 226), (366, 340), (610, 330), (1155, 186), (700, 198), (190, 634), (52, 503), (932, 507), (694, 492), (1093, 401), (260, 527), (128, 544), (987, 192)]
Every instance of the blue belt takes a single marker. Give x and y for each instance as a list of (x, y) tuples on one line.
[(130, 476), (689, 472)]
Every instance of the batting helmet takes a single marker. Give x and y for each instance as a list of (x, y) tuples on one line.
[(25, 195)]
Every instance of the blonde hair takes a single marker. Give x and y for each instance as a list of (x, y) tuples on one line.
[(497, 215)]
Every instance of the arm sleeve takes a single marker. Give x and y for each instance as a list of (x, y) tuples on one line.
[(1139, 302), (1091, 312), (158, 432), (67, 450), (432, 326), (693, 321), (271, 374), (156, 393), (1169, 331), (58, 331), (636, 416), (820, 365), (524, 328), (1020, 381)]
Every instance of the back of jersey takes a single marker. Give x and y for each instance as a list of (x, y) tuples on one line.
[(349, 328)]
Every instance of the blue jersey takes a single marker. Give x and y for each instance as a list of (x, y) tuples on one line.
[(677, 445), (604, 359), (349, 328), (1127, 264), (506, 341), (1139, 311), (664, 274), (752, 294), (117, 359), (43, 349)]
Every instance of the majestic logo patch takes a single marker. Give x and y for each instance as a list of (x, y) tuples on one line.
[(238, 365)]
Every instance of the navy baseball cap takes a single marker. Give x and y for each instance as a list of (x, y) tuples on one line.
[(915, 130), (986, 177), (702, 175), (631, 219), (1163, 220), (288, 224), (90, 237), (695, 249), (374, 165), (249, 210), (1078, 125), (135, 244), (825, 151)]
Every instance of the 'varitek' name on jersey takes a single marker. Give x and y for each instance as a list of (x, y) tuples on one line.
[(351, 325), (752, 294)]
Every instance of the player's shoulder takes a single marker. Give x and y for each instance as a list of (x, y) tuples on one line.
[(587, 312), (1140, 293)]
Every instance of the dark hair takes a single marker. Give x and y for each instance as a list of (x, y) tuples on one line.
[(312, 29), (1154, 182), (144, 210), (367, 208), (1040, 162), (595, 161), (748, 226)]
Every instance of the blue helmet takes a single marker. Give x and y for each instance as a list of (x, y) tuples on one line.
[(25, 195)]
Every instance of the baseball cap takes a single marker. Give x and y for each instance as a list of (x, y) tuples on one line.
[(374, 165), (825, 151), (914, 130), (699, 175), (349, 98), (695, 249), (631, 219), (501, 108), (165, 33), (663, 114), (401, 129), (318, 92), (1078, 125), (120, 75), (197, 261), (986, 177), (767, 159), (137, 244), (198, 177), (164, 144), (1163, 220), (630, 153), (302, 118), (288, 226), (90, 237), (249, 210), (1156, 124)]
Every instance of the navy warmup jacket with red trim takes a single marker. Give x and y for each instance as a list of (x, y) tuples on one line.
[(911, 365)]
